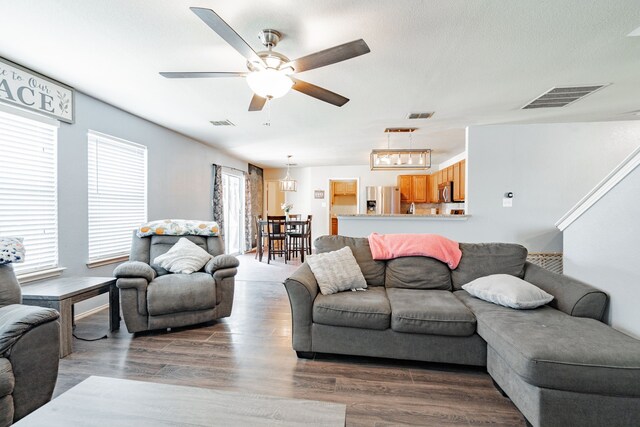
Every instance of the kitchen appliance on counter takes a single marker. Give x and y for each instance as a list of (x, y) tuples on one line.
[(445, 192), (383, 200)]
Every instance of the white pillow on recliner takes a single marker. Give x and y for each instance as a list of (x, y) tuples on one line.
[(184, 257)]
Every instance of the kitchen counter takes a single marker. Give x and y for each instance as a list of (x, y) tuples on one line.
[(444, 217), (362, 225)]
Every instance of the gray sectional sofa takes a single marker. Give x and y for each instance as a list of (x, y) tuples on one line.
[(559, 364)]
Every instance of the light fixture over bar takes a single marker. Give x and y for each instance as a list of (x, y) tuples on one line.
[(398, 159)]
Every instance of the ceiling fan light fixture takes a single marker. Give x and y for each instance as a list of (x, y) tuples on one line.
[(269, 83)]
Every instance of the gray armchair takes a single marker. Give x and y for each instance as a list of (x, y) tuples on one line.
[(153, 298), (29, 351)]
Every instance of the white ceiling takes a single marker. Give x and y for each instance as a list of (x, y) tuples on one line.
[(472, 62)]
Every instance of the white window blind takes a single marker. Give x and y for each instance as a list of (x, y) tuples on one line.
[(117, 194), (28, 189)]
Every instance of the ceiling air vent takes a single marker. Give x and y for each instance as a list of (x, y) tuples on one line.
[(413, 116), (561, 96), (222, 123)]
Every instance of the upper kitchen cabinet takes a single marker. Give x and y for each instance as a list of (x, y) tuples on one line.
[(414, 188), (459, 176), (344, 188), (404, 184), (420, 188)]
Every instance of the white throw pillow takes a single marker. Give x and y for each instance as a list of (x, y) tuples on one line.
[(184, 257), (336, 271), (507, 290)]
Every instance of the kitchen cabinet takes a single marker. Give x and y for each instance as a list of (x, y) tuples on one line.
[(420, 188), (456, 182), (434, 187), (463, 180), (455, 173), (414, 188), (404, 183), (334, 226), (344, 188), (449, 172), (459, 176)]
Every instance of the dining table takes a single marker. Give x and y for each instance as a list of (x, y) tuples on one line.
[(293, 226)]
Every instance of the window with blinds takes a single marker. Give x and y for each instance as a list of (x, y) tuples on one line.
[(117, 194), (28, 189)]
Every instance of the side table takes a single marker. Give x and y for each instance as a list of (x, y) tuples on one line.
[(63, 292)]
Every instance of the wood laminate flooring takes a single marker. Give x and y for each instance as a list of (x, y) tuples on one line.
[(251, 352)]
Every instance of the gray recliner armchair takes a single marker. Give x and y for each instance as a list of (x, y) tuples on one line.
[(29, 351), (153, 298)]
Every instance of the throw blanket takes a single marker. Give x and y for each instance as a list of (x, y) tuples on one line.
[(178, 227), (389, 246), (11, 250)]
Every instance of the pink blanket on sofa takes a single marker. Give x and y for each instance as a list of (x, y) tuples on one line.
[(389, 246)]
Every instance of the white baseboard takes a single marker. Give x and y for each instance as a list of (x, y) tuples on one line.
[(90, 312)]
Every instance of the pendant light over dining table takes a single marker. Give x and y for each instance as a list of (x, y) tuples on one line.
[(287, 183), (400, 158)]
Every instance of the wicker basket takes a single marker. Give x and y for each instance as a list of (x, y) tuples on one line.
[(550, 260)]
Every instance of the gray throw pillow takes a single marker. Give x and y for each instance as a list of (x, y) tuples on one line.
[(336, 271)]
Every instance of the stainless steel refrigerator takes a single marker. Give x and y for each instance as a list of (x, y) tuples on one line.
[(383, 200)]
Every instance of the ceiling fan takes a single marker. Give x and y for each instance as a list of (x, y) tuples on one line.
[(269, 72)]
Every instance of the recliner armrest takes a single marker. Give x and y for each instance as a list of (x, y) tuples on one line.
[(134, 269), (18, 319), (224, 273), (133, 283), (220, 262)]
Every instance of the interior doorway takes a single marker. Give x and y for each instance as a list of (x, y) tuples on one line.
[(274, 198), (343, 200)]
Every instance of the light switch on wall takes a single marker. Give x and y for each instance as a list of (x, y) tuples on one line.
[(324, 204), (507, 202)]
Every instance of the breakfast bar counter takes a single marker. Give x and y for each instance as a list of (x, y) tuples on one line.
[(420, 217), (362, 225)]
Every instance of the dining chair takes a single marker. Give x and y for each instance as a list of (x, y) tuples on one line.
[(261, 236), (297, 239), (309, 246), (277, 235)]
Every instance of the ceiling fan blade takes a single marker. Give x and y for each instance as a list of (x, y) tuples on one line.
[(257, 102), (329, 56), (319, 93), (203, 74), (228, 34)]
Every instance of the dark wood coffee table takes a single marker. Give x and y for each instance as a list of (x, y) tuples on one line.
[(63, 292)]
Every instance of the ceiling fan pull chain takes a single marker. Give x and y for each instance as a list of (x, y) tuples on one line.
[(268, 122)]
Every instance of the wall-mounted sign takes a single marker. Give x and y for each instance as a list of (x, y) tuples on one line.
[(318, 194), (28, 89)]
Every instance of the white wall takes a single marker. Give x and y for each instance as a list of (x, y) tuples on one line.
[(317, 178), (179, 177), (548, 167), (601, 248)]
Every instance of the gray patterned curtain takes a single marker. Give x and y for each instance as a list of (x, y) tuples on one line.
[(248, 222), (216, 201)]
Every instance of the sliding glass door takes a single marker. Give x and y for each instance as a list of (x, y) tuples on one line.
[(233, 203)]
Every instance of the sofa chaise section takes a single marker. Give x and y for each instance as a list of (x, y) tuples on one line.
[(546, 356)]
